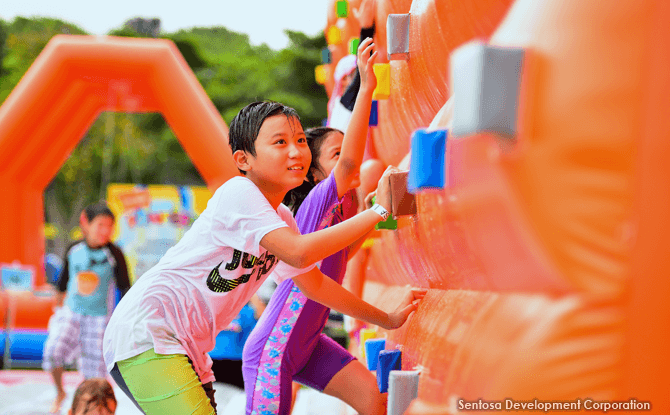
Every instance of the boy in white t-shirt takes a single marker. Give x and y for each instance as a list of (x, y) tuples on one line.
[(157, 340)]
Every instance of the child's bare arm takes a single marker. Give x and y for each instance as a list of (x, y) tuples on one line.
[(324, 290), (300, 251), (353, 145)]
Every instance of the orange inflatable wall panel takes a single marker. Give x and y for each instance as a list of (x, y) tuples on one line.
[(545, 255)]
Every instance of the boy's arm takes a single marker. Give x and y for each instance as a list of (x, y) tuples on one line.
[(300, 251), (353, 145), (324, 290), (120, 270), (63, 278)]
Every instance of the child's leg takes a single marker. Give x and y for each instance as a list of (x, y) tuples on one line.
[(61, 341), (91, 332), (121, 383), (64, 327), (357, 386), (268, 387), (334, 371), (165, 384)]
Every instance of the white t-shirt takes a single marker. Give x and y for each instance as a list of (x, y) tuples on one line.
[(201, 284)]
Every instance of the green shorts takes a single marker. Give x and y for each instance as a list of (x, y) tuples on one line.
[(166, 384)]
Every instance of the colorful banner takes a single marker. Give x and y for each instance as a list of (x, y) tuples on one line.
[(151, 219)]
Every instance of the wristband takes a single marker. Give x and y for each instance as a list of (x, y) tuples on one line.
[(379, 209)]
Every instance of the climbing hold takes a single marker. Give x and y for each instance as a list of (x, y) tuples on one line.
[(383, 74), (321, 74), (397, 36), (426, 166), (353, 45), (342, 7), (364, 335), (403, 388), (374, 114), (326, 56), (372, 349), (389, 223), (334, 35), (403, 203), (388, 360), (486, 82)]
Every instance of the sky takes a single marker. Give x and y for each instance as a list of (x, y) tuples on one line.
[(263, 20)]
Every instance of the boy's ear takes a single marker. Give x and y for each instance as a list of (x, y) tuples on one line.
[(83, 220), (241, 159)]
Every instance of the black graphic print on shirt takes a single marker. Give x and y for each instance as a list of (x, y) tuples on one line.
[(258, 266)]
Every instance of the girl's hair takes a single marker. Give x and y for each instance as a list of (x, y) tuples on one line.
[(91, 394), (315, 138), (98, 209)]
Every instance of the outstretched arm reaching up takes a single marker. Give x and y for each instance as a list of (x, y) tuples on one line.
[(353, 144)]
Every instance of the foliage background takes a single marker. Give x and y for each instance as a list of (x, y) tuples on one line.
[(141, 148)]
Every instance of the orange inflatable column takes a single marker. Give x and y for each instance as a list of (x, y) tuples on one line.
[(21, 226), (10, 206)]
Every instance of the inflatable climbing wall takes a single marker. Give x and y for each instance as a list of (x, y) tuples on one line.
[(544, 238)]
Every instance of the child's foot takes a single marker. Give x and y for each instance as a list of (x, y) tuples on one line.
[(55, 406)]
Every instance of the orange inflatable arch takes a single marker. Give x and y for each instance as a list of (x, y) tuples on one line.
[(72, 81)]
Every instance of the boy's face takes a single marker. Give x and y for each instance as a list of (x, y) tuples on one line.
[(282, 155), (99, 231)]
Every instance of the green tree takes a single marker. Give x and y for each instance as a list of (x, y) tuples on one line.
[(25, 39), (3, 39), (141, 148)]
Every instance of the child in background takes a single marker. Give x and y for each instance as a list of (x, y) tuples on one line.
[(287, 343), (342, 76), (85, 297), (93, 396), (157, 340)]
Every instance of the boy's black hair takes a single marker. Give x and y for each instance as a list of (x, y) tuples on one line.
[(246, 125), (315, 138), (98, 209)]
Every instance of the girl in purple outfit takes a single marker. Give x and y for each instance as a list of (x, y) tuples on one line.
[(287, 344)]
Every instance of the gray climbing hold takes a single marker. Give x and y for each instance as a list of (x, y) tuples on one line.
[(397, 36), (486, 81), (403, 388)]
